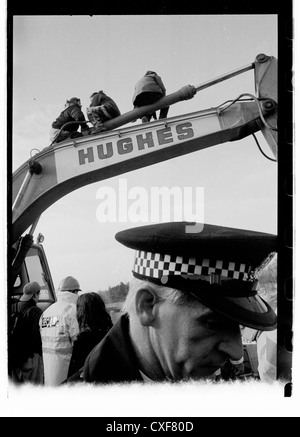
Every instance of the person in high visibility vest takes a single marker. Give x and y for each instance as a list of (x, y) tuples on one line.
[(59, 330)]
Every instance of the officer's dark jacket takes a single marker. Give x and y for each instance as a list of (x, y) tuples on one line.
[(72, 113), (113, 360)]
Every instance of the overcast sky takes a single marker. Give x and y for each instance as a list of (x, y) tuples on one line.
[(59, 57)]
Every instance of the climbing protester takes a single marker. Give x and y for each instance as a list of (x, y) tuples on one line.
[(148, 90), (101, 109), (74, 117)]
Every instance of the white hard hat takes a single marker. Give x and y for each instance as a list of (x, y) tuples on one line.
[(69, 284)]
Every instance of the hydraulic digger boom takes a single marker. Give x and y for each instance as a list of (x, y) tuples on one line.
[(63, 167)]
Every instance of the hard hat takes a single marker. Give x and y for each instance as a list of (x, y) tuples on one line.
[(69, 284)]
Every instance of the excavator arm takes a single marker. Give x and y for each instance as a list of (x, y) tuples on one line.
[(64, 167)]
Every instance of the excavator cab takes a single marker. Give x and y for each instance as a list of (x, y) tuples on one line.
[(35, 268)]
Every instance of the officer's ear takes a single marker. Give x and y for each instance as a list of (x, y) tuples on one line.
[(36, 296), (145, 301)]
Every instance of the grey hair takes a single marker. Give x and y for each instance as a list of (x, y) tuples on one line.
[(172, 295)]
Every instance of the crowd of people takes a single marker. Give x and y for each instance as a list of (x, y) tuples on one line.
[(190, 296), (56, 342), (149, 89)]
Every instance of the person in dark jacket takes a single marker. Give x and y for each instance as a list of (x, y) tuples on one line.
[(148, 90), (102, 108), (94, 323), (191, 292), (71, 115), (28, 366)]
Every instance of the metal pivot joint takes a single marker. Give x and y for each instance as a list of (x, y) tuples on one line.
[(35, 167), (262, 58), (269, 105)]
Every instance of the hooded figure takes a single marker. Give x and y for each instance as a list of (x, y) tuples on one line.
[(70, 115), (102, 108), (148, 90)]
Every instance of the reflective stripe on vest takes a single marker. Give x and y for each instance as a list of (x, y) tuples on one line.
[(65, 351)]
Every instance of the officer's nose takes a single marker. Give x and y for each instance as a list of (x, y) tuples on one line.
[(231, 343)]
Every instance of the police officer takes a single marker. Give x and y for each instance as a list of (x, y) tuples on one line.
[(190, 294), (59, 330)]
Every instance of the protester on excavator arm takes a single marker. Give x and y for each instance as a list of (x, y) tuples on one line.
[(59, 330), (148, 90), (101, 109), (72, 113)]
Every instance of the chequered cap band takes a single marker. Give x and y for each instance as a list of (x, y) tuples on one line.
[(156, 265)]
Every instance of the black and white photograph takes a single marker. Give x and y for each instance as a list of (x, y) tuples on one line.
[(150, 214)]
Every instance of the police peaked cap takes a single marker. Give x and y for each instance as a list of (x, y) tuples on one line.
[(216, 265)]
